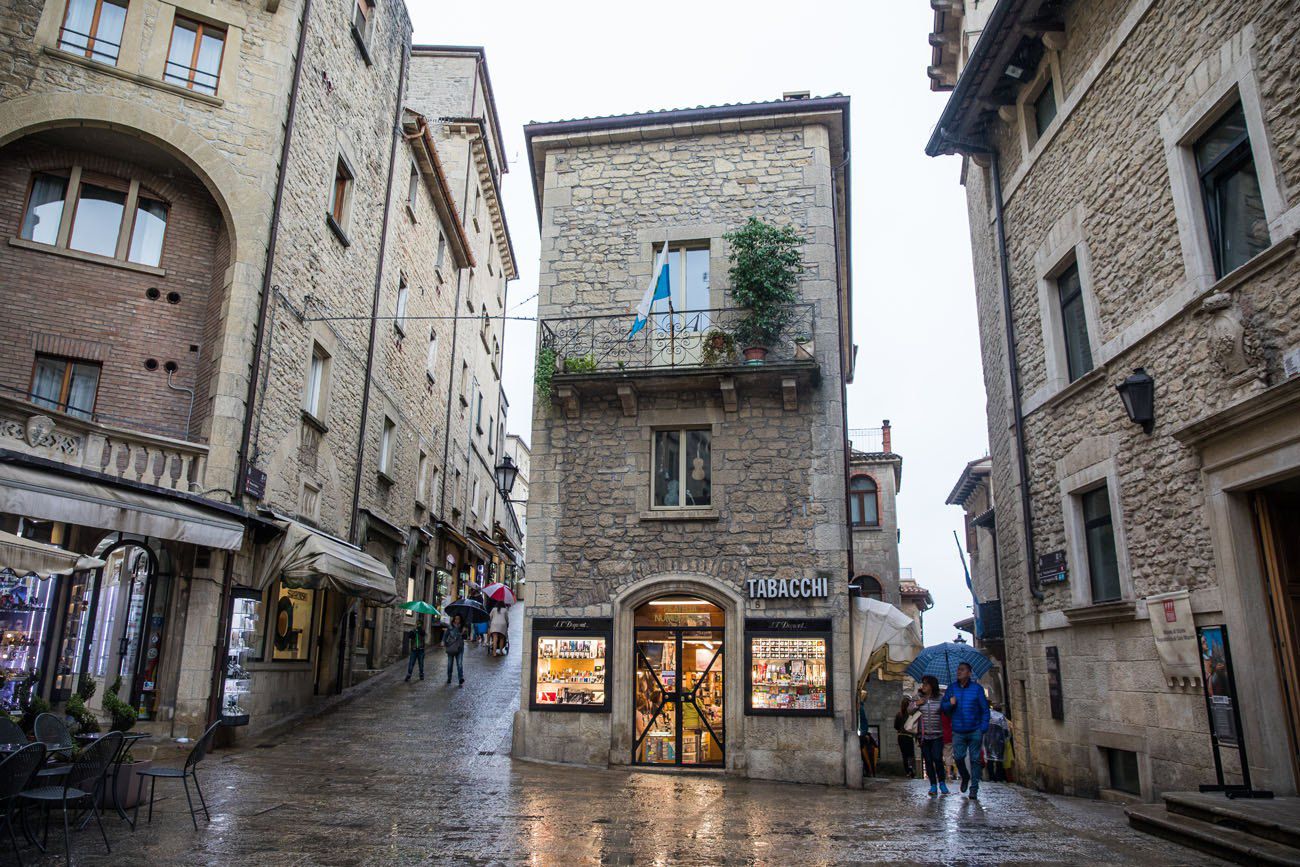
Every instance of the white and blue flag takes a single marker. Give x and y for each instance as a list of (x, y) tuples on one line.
[(657, 289)]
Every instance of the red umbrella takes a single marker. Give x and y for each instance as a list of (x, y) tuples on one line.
[(499, 592)]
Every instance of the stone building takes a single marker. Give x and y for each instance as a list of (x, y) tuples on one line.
[(1132, 170), (687, 511), (451, 84), (247, 430), (517, 450)]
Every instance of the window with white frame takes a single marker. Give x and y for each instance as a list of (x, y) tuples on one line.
[(93, 29), (682, 468), (421, 477), (317, 382), (413, 189), (387, 444), (1230, 193), (403, 298), (1043, 108), (473, 500), (431, 360)]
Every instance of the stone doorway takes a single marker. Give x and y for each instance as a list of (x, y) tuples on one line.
[(1277, 516)]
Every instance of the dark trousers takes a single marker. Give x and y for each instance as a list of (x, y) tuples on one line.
[(454, 659), (997, 773), (932, 756), (907, 746), (416, 655)]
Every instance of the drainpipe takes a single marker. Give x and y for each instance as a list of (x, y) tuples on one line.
[(259, 336), (374, 307)]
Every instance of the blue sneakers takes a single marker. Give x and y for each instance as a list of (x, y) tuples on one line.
[(933, 791), (943, 787)]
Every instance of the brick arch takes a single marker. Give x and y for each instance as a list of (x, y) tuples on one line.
[(37, 113), (126, 170)]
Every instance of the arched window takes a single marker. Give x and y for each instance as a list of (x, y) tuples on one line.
[(868, 587), (864, 502)]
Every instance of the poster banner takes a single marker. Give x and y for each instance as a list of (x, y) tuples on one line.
[(1220, 691), (1175, 634)]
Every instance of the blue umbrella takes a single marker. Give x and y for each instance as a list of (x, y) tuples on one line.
[(942, 660)]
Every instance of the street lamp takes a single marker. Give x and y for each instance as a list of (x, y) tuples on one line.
[(507, 472), (1138, 391)]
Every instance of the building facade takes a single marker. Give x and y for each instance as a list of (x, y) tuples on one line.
[(973, 493), (1132, 172), (249, 429), (688, 567)]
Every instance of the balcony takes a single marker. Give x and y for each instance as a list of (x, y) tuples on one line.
[(98, 446), (685, 349)]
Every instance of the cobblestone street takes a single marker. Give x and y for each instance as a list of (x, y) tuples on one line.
[(420, 773)]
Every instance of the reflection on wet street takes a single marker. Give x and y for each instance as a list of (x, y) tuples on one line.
[(420, 773)]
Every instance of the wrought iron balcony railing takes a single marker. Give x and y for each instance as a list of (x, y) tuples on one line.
[(681, 339)]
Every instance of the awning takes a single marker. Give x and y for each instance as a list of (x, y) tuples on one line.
[(38, 493), (26, 556), (886, 638), (311, 560)]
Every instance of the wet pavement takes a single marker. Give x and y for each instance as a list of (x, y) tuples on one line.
[(420, 773)]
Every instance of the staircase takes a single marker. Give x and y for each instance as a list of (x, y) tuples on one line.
[(1246, 831)]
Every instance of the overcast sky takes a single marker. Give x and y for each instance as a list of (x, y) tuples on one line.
[(914, 309)]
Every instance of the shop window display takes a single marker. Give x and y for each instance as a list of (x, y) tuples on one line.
[(570, 664), (787, 661), (76, 633), (24, 619), (245, 612), (291, 623)]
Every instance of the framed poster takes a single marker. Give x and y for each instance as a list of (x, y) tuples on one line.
[(1055, 692), (1219, 688)]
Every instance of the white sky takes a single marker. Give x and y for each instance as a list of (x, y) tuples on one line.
[(914, 310)]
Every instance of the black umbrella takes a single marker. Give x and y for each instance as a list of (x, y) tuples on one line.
[(469, 611)]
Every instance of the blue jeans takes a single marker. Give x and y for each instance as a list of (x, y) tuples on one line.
[(417, 654), (455, 658), (963, 743)]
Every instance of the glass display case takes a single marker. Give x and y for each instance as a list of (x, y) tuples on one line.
[(788, 666), (245, 611), (24, 619), (570, 662), (71, 648)]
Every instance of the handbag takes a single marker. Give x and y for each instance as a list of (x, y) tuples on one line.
[(913, 724)]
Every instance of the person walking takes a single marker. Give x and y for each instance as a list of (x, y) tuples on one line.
[(906, 741), (931, 732), (415, 635), (968, 707), (995, 743), (498, 625), (453, 641)]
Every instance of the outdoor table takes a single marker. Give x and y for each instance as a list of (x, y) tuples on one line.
[(128, 738)]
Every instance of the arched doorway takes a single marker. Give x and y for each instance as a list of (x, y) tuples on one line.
[(678, 683)]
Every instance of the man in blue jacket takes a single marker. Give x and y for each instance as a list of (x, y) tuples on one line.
[(966, 703)]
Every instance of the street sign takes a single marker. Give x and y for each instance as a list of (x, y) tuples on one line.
[(254, 482), (1051, 568)]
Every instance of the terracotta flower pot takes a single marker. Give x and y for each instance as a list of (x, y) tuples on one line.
[(755, 354)]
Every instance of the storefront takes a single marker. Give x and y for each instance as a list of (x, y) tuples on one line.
[(569, 663), (787, 660)]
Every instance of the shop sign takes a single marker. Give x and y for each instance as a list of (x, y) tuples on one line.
[(787, 588), (1055, 693), (254, 482), (1051, 568), (573, 624), (786, 624)]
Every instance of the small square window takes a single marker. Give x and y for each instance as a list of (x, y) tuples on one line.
[(1123, 767), (93, 29), (65, 385), (682, 469)]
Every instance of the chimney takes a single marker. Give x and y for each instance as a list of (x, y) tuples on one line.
[(885, 444), (795, 94)]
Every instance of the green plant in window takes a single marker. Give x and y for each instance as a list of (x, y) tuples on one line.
[(545, 372), (581, 364), (719, 348), (766, 264)]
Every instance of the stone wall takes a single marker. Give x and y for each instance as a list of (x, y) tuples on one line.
[(1105, 161), (875, 549)]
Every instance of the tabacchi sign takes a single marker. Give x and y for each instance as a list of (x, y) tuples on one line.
[(786, 588)]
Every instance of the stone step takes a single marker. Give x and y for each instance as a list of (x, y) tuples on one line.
[(1218, 840), (1276, 819)]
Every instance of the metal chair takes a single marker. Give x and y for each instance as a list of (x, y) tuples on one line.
[(84, 783), (184, 774), (16, 773), (54, 733), (10, 733)]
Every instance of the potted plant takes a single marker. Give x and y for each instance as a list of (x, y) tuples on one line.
[(545, 372), (127, 781), (766, 263), (580, 364), (84, 720)]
